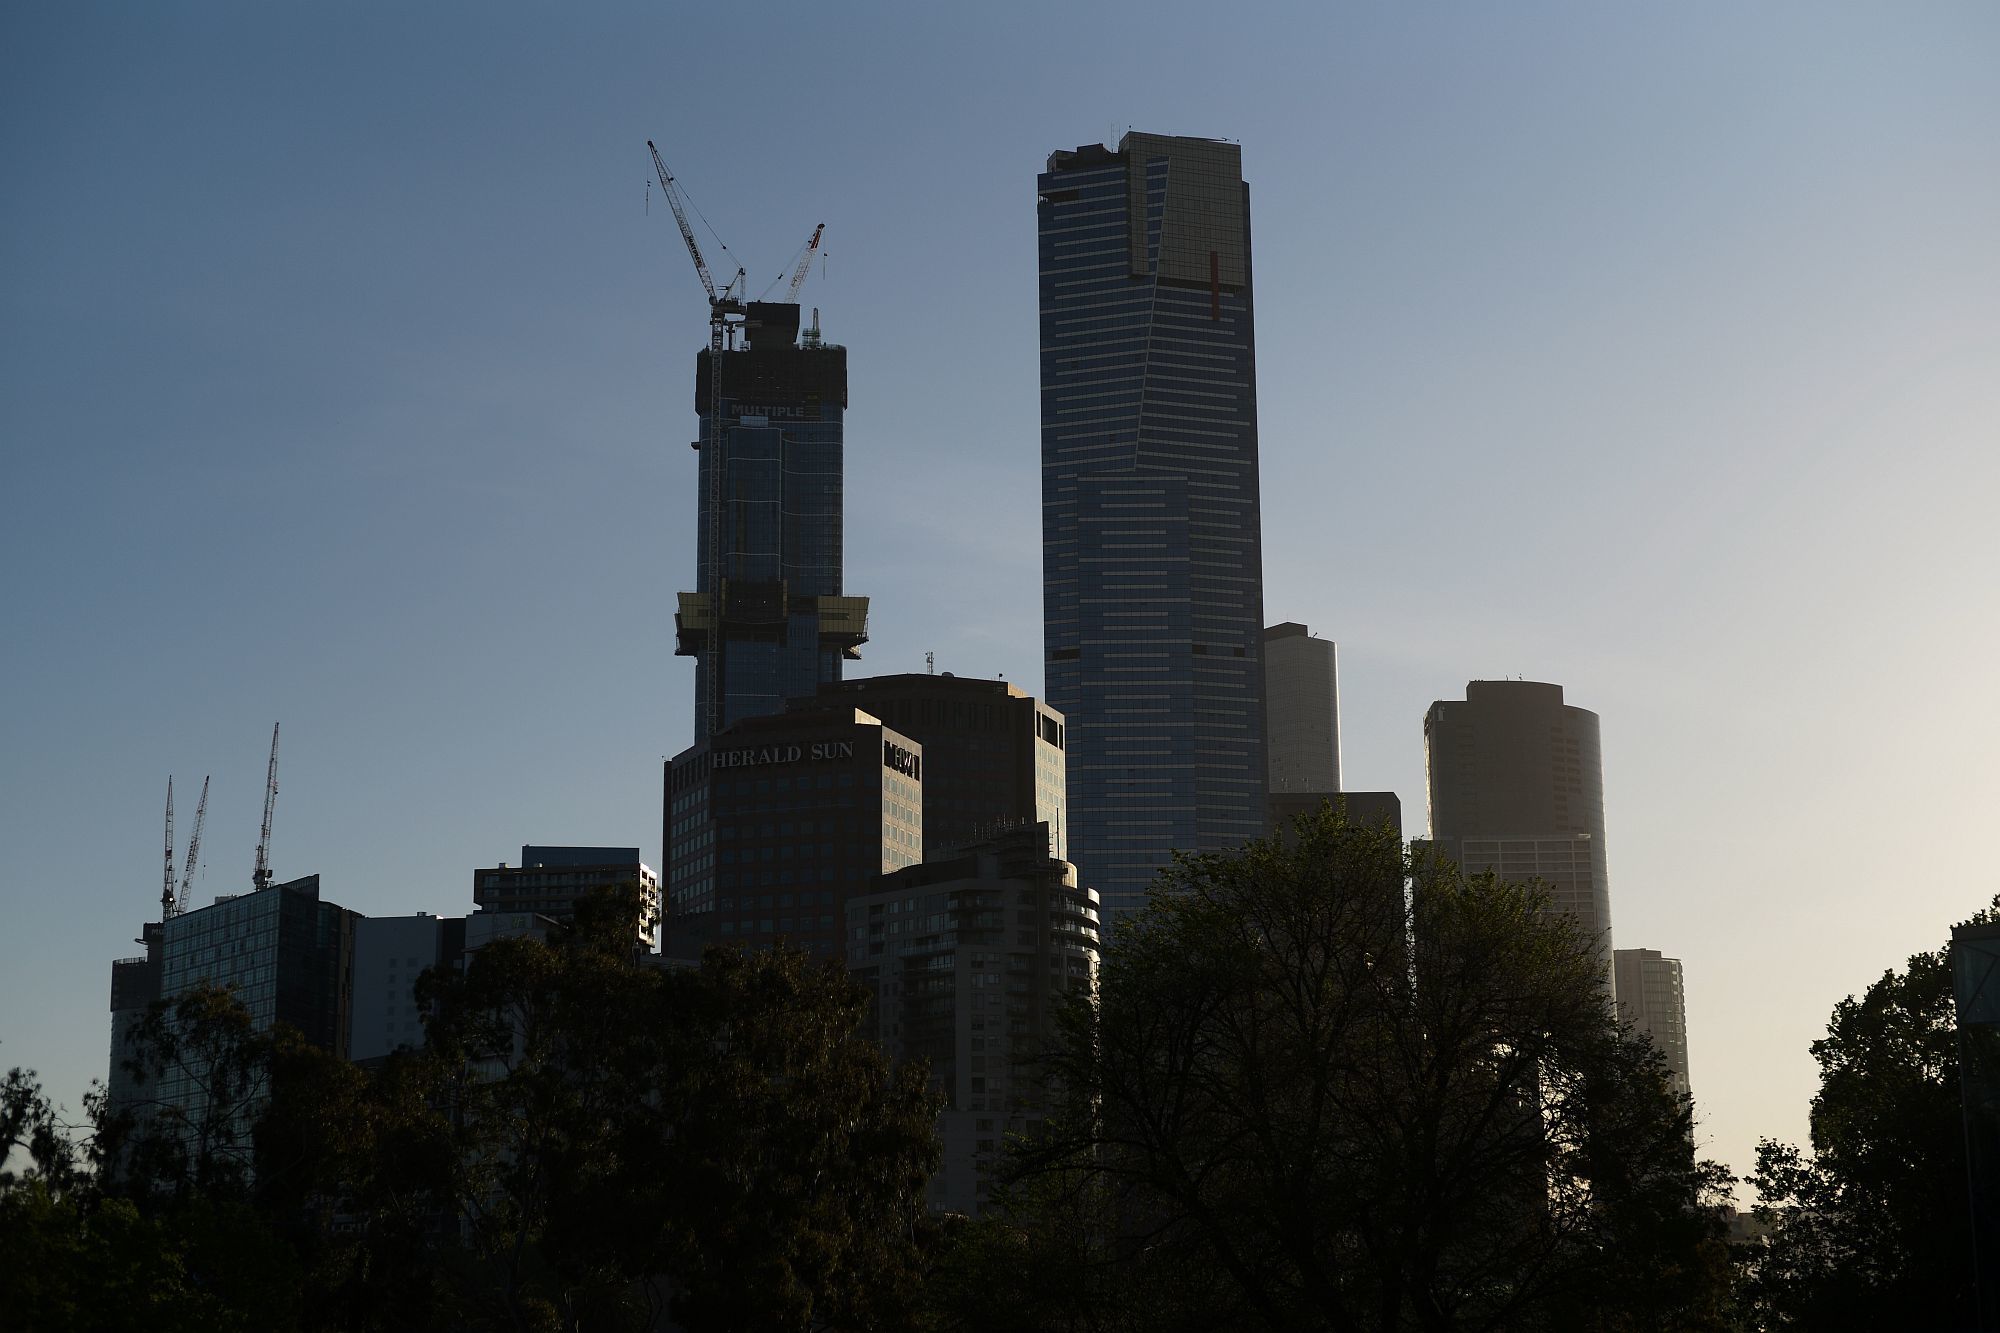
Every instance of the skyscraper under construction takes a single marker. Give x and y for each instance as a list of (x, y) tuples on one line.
[(767, 620)]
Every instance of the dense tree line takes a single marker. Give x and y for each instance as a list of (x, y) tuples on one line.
[(1298, 1100)]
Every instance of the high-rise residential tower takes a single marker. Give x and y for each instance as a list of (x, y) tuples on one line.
[(1517, 787), (1152, 553), (767, 620), (1650, 998), (1301, 710)]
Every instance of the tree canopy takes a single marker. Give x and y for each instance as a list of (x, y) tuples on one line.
[(1296, 1104), (1873, 1227)]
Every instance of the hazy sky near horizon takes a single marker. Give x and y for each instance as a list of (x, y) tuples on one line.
[(346, 379)]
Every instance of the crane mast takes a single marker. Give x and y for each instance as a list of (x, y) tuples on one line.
[(167, 884), (180, 899), (260, 878), (723, 304), (805, 264)]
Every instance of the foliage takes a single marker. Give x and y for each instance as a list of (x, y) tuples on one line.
[(1295, 1105), (1873, 1228)]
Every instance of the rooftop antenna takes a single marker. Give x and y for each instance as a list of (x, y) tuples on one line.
[(930, 663), (260, 878)]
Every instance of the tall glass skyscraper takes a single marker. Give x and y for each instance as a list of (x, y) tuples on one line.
[(767, 621), (1152, 549)]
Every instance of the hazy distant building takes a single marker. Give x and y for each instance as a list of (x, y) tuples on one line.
[(967, 959), (773, 824), (1517, 787), (1152, 541), (390, 953), (1651, 1000), (551, 881), (993, 755), (1301, 710), (767, 620)]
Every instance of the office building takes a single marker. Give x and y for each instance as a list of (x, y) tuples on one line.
[(1650, 999), (285, 954), (993, 755), (552, 881), (1152, 550), (1517, 787), (775, 822), (967, 959), (767, 620), (1301, 710)]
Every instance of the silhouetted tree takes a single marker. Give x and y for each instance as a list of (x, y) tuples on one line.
[(1293, 1105), (1873, 1228)]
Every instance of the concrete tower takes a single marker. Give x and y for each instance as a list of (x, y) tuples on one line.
[(1650, 998), (1301, 710), (1517, 787)]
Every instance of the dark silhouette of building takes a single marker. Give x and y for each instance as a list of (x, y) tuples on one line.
[(768, 620), (1152, 546), (967, 959), (1975, 970), (993, 755), (552, 881), (777, 821)]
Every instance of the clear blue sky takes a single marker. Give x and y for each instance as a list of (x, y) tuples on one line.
[(1653, 350)]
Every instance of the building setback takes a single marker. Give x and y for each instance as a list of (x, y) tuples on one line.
[(767, 620), (1301, 711), (1650, 998), (993, 755), (776, 822), (1151, 536), (967, 959), (1517, 787)]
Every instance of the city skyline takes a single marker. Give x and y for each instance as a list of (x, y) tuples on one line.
[(369, 412)]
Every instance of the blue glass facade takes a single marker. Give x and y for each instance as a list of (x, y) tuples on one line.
[(767, 618), (1152, 548)]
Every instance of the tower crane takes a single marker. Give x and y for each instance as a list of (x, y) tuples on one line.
[(180, 899), (260, 878), (730, 299), (167, 883), (721, 305), (801, 269)]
